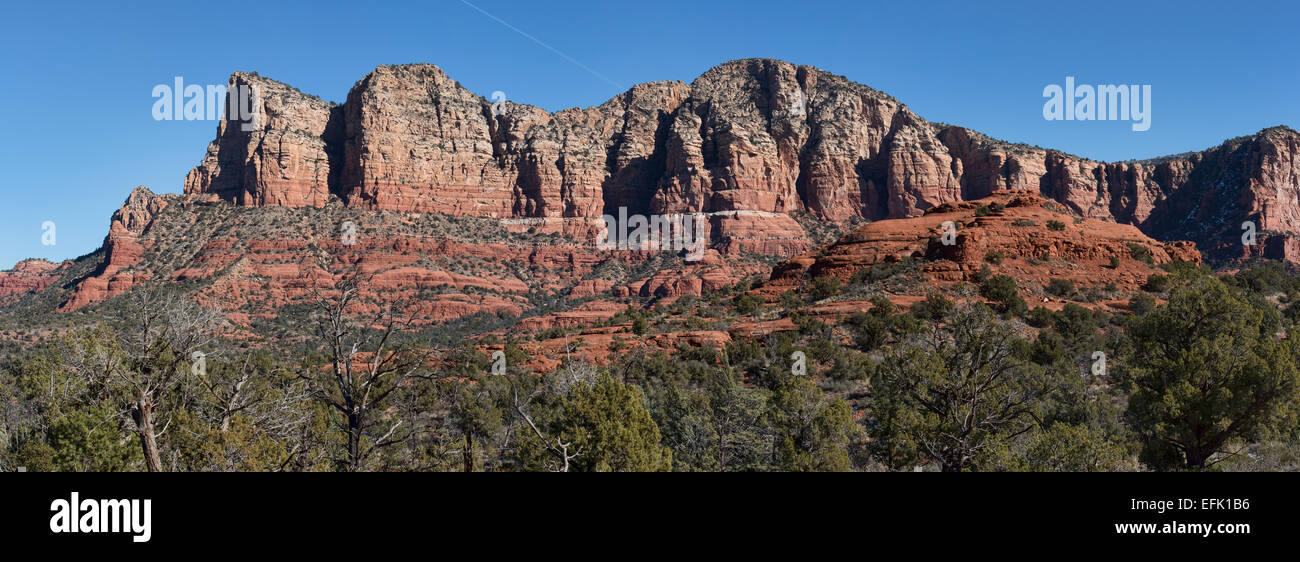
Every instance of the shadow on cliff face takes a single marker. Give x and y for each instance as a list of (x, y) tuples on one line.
[(635, 184), (1209, 207), (335, 138)]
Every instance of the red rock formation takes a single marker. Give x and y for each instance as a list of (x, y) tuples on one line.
[(1203, 196), (28, 276), (747, 143), (123, 248), (417, 141), (252, 262), (1026, 248), (584, 314), (600, 346), (750, 144), (286, 157)]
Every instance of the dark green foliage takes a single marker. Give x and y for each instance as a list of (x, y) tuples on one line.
[(608, 422), (1002, 290), (877, 272), (1076, 322), (1069, 448), (954, 399), (790, 301), (1141, 304), (1040, 317), (1156, 283), (1266, 278), (812, 431), (1060, 287), (1140, 253), (824, 288), (1206, 372), (747, 304), (934, 308), (1055, 225), (850, 365)]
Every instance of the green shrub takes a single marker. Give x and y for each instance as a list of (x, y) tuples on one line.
[(1141, 304), (1055, 226), (824, 288), (877, 272), (1041, 317), (935, 307), (1003, 291), (1156, 283), (790, 300), (1060, 287), (881, 271), (1140, 253), (747, 304), (1076, 322), (870, 330)]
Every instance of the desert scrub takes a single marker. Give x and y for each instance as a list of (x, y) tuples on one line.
[(1060, 287), (1140, 253)]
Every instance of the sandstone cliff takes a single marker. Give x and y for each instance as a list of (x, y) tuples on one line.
[(27, 276), (779, 158), (123, 248), (748, 143)]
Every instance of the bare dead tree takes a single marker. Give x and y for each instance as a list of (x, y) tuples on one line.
[(267, 402), (227, 401), (571, 375), (366, 366), (161, 333), (556, 446)]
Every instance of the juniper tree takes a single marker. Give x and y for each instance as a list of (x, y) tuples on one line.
[(955, 392), (1207, 372)]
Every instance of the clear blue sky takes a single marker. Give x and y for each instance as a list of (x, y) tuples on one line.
[(78, 133)]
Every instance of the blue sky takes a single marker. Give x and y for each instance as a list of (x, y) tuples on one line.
[(78, 133)]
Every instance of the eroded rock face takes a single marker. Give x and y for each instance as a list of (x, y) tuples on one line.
[(417, 141), (768, 136), (747, 143), (28, 276), (1204, 196), (287, 158), (1029, 237), (124, 247), (253, 263)]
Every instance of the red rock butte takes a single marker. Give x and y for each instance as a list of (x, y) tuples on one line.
[(781, 158), (1016, 233)]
